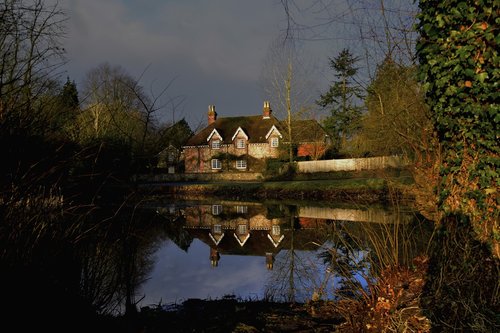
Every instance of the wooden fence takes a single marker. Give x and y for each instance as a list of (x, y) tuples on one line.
[(351, 164)]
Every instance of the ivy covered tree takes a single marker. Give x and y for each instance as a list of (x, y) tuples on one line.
[(344, 114), (459, 69)]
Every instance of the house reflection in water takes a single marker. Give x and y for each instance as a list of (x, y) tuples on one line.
[(250, 229)]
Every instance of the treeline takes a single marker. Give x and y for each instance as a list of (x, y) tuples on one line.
[(54, 135), (66, 253)]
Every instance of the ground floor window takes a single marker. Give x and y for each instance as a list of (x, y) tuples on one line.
[(242, 229), (216, 164), (216, 209), (241, 164)]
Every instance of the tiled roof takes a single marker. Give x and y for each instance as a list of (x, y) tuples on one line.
[(256, 128), (306, 131)]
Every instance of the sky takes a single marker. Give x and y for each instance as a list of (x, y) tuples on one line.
[(207, 52), (212, 52)]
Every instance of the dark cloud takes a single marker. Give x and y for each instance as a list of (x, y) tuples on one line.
[(213, 49)]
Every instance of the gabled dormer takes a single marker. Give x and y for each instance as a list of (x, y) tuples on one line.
[(275, 236), (242, 232), (273, 131), (216, 234), (215, 139), (240, 138), (273, 137)]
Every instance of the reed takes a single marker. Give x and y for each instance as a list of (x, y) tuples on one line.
[(391, 263)]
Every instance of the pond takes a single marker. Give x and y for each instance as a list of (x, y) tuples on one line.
[(158, 252), (277, 251)]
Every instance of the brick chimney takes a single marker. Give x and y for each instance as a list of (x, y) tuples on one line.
[(212, 115), (266, 110)]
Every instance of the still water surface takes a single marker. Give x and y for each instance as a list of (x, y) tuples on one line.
[(276, 251)]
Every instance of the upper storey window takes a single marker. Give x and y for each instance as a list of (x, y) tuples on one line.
[(240, 143), (215, 144), (275, 142)]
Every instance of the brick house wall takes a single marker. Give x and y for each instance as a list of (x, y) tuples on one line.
[(243, 143), (198, 159)]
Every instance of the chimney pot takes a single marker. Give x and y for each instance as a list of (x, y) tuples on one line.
[(212, 115), (266, 110)]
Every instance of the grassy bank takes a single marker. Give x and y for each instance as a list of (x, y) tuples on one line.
[(364, 189)]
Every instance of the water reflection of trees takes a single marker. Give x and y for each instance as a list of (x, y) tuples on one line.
[(116, 260), (315, 252), (359, 251), (292, 271), (79, 263), (348, 257)]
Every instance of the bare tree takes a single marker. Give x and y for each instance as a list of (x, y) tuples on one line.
[(293, 275), (377, 29), (30, 55), (286, 79), (118, 107)]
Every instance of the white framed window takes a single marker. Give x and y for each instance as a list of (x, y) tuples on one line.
[(241, 164), (217, 229), (216, 164), (242, 229), (241, 209), (275, 142), (216, 144), (240, 143), (171, 157), (276, 230), (216, 209)]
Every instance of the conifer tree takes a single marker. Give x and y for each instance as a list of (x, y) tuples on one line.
[(340, 99)]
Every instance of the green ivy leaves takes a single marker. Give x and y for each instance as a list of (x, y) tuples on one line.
[(459, 71)]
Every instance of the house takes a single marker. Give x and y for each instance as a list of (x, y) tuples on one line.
[(168, 159), (243, 143), (249, 229), (175, 136)]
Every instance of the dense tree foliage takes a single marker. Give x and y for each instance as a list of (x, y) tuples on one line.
[(171, 138), (459, 68), (175, 134), (62, 108), (397, 120), (341, 100)]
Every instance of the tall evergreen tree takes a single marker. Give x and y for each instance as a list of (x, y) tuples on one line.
[(67, 106), (69, 95), (340, 99)]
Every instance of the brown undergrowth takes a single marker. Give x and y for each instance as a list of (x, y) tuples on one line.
[(462, 292), (391, 304)]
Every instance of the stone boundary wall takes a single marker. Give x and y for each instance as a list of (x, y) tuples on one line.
[(350, 164), (204, 177)]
